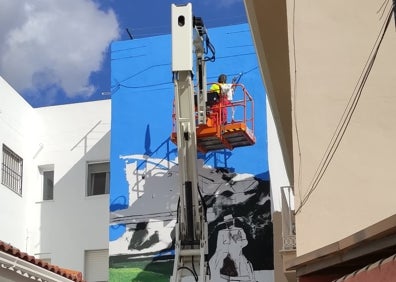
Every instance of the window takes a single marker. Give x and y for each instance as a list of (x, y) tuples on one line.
[(98, 178), (48, 185), (11, 170)]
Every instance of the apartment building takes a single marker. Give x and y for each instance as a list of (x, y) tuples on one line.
[(55, 182)]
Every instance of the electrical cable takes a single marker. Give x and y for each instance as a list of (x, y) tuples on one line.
[(164, 29), (394, 10), (119, 85), (299, 176), (203, 203), (347, 115), (193, 266), (383, 8), (189, 269), (144, 86), (209, 47), (178, 210), (238, 55)]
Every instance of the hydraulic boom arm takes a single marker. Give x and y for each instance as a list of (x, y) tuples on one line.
[(191, 247)]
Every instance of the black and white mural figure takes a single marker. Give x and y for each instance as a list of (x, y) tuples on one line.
[(240, 227), (228, 261)]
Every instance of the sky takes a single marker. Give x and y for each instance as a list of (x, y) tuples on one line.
[(57, 51)]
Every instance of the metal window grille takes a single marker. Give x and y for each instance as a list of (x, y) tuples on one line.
[(11, 170)]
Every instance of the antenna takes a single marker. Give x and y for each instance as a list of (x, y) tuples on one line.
[(130, 34)]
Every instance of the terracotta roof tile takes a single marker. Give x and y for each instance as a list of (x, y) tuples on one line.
[(73, 275), (379, 271)]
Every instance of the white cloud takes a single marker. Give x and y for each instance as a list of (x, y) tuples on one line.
[(46, 42)]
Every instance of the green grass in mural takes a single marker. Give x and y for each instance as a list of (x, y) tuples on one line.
[(136, 275), (142, 271)]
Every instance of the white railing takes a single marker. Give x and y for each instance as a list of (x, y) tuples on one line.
[(289, 242), (288, 225)]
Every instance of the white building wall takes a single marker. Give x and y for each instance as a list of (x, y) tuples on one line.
[(276, 165), (66, 138), (19, 125), (75, 134)]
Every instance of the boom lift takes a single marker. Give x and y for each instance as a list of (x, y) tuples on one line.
[(213, 130), (197, 129), (191, 246)]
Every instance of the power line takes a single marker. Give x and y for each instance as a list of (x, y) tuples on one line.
[(147, 31), (295, 101)]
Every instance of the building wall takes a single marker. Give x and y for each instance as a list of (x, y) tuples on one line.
[(144, 160), (65, 138), (332, 42), (276, 164), (73, 222), (267, 19), (279, 179), (19, 127)]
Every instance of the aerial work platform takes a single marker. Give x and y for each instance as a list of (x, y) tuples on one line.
[(228, 124)]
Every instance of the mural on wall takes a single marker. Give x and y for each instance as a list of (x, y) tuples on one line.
[(144, 171)]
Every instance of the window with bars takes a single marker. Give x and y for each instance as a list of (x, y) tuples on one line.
[(11, 170)]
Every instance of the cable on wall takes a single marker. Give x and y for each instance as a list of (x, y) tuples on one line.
[(347, 114), (299, 176)]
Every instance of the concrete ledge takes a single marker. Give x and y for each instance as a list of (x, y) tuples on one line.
[(369, 244)]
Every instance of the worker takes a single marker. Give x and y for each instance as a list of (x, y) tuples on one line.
[(225, 93), (221, 80)]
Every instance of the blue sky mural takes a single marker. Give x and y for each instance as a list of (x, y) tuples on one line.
[(144, 171)]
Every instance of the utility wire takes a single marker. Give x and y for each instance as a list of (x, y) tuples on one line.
[(120, 84), (394, 11), (299, 177), (347, 114), (383, 8), (148, 31)]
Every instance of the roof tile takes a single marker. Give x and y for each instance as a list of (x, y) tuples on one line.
[(73, 275)]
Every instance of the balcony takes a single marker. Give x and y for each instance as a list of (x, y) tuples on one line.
[(288, 220), (288, 251)]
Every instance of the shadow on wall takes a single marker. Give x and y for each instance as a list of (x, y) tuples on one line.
[(218, 159), (72, 221)]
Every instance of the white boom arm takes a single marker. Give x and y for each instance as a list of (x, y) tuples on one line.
[(191, 247)]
